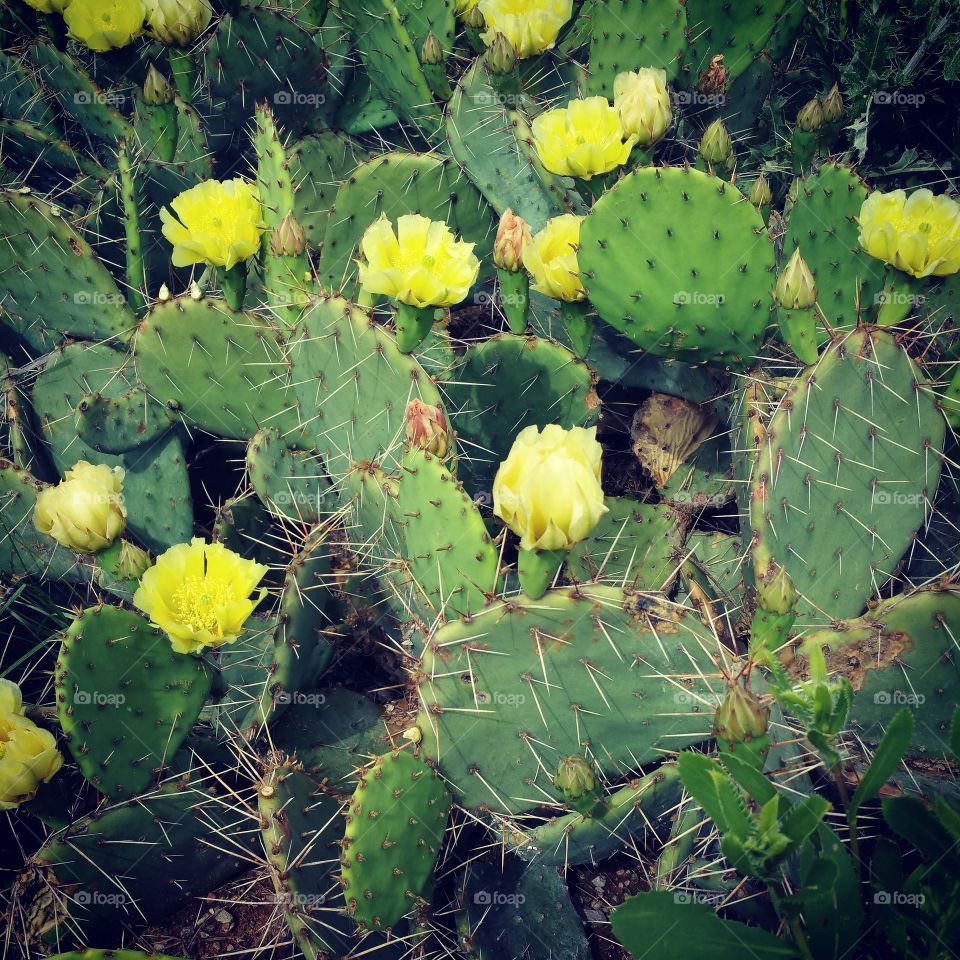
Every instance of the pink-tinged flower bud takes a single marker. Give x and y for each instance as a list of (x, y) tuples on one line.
[(288, 238), (427, 428), (513, 236)]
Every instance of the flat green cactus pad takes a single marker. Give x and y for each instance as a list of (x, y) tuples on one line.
[(508, 693), (54, 286), (823, 226), (396, 820), (676, 260), (224, 370), (849, 462), (125, 700), (353, 385)]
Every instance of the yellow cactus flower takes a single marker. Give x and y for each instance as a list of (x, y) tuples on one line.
[(28, 753), (200, 594), (643, 102), (104, 25), (548, 489), (48, 6), (919, 233), (85, 510), (177, 23), (531, 26), (582, 139), (551, 258), (218, 223), (421, 264)]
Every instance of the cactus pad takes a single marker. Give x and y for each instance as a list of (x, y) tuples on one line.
[(823, 225), (507, 694), (717, 309), (507, 383), (849, 462), (626, 35), (353, 384), (291, 483), (224, 370), (636, 546), (125, 700), (395, 826), (54, 286)]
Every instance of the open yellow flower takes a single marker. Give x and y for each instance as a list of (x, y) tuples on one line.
[(548, 489), (200, 594), (85, 510), (531, 26), (582, 139), (551, 258), (28, 753), (104, 25), (919, 233), (218, 223), (421, 264), (643, 102)]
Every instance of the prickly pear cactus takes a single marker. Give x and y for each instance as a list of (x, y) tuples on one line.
[(455, 453)]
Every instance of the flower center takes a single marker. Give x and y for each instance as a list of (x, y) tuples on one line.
[(197, 601)]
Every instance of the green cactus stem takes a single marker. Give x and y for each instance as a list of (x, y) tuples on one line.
[(413, 325), (136, 266), (515, 298), (184, 72), (578, 321), (538, 569), (234, 285)]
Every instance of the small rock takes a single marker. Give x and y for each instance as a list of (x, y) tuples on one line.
[(224, 917), (594, 916)]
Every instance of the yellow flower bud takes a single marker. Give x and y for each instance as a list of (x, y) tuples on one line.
[(432, 53), (760, 193), (502, 56), (133, 562), (741, 717), (919, 233), (513, 237), (85, 511), (460, 7), (421, 264), (105, 25), (796, 288), (413, 734), (531, 26), (216, 223), (548, 489), (472, 17), (716, 148), (582, 139), (177, 23), (427, 428), (156, 90), (643, 102), (200, 594), (28, 753), (288, 238), (810, 117), (833, 105), (551, 258)]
